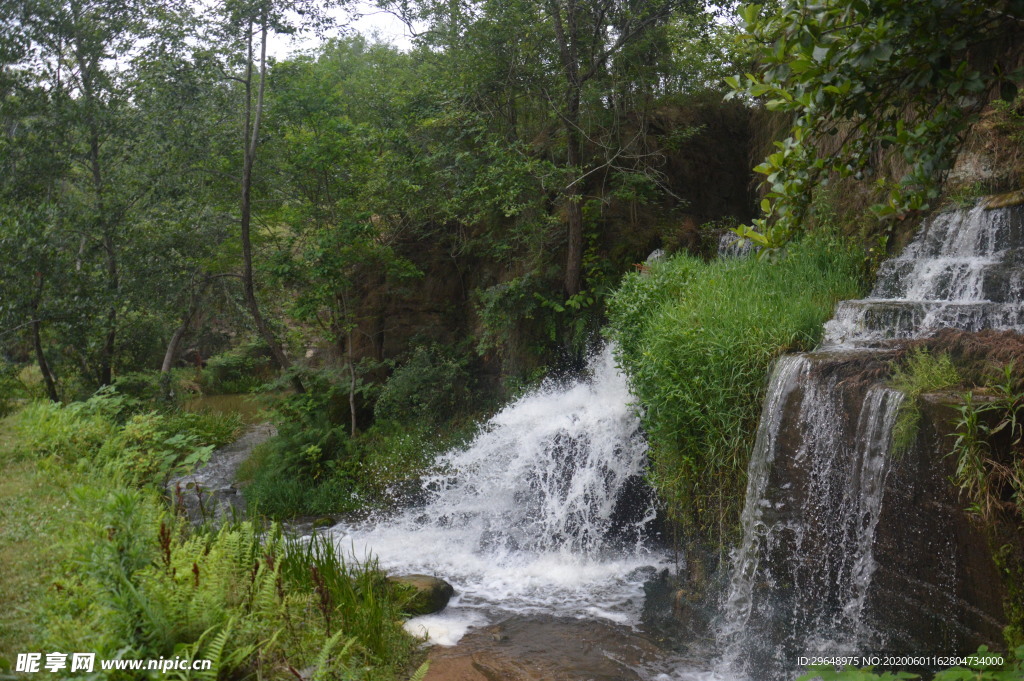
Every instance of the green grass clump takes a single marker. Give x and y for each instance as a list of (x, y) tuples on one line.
[(49, 429), (920, 373), (142, 447), (697, 339), (215, 428)]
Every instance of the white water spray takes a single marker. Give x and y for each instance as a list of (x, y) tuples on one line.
[(962, 271), (543, 512)]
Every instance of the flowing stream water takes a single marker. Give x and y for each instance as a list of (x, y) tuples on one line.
[(545, 515), (545, 512)]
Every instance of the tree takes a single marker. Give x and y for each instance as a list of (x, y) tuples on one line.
[(336, 250), (531, 65), (71, 52), (862, 80), (589, 35), (30, 259), (183, 238), (248, 25)]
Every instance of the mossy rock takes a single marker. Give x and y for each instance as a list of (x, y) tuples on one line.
[(1014, 198), (426, 594)]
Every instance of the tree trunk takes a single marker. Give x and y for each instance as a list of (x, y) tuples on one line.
[(352, 388), (574, 215), (113, 277), (344, 322), (172, 345), (252, 129), (37, 342), (566, 33)]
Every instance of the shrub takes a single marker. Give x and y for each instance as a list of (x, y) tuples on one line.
[(432, 387), (11, 389), (209, 427), (145, 452), (373, 469), (240, 370), (145, 386), (697, 338), (130, 581)]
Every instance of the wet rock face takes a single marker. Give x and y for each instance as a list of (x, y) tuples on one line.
[(855, 549), (848, 546), (428, 594), (936, 588), (812, 509)]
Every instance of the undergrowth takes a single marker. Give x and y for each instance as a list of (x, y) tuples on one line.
[(697, 338), (319, 472), (121, 436), (254, 603), (315, 465), (242, 369), (121, 576)]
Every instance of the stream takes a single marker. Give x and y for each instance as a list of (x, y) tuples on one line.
[(547, 531)]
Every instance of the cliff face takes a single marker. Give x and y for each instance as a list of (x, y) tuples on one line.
[(850, 547), (936, 587), (700, 156), (854, 538)]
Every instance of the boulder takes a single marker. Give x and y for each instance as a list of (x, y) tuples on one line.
[(427, 594)]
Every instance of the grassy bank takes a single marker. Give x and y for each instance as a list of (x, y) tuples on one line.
[(697, 339), (95, 561)]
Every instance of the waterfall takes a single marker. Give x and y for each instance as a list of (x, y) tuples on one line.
[(803, 574), (963, 270), (732, 246), (815, 488), (545, 510)]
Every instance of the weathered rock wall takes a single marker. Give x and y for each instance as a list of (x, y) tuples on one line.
[(936, 588), (707, 177)]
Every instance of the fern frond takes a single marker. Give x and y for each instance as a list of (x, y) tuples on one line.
[(421, 672), (323, 659)]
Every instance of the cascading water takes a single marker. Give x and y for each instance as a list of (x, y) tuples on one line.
[(732, 246), (803, 575), (545, 511), (813, 500), (962, 271)]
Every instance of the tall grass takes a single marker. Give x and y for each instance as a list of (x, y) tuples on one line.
[(697, 338)]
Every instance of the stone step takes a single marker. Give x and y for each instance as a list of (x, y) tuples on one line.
[(863, 322)]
